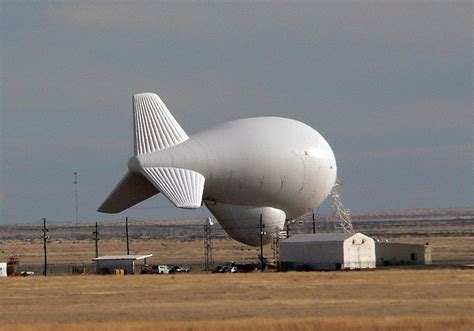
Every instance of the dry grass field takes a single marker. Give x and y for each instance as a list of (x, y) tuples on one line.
[(164, 251), (450, 233), (30, 252), (440, 299)]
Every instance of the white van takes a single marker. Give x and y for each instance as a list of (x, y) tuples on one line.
[(163, 269)]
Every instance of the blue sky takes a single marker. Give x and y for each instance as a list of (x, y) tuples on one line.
[(388, 84)]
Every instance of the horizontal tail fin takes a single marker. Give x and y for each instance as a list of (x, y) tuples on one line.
[(154, 126), (182, 187), (132, 189)]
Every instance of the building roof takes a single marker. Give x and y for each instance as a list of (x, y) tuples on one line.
[(310, 237), (122, 257), (400, 244)]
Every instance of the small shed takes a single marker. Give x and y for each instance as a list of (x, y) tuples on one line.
[(401, 254), (107, 264), (327, 251)]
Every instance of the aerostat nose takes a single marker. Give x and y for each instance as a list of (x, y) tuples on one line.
[(134, 164)]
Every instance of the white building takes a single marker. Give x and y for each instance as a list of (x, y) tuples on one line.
[(107, 264), (3, 269), (400, 253), (327, 251)]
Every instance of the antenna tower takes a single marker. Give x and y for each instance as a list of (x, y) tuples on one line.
[(342, 215), (208, 247), (276, 244)]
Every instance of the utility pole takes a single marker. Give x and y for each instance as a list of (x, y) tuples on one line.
[(77, 201), (288, 228), (314, 224), (126, 232), (262, 233), (96, 238), (45, 238)]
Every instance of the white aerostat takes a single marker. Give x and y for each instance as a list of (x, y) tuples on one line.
[(275, 167)]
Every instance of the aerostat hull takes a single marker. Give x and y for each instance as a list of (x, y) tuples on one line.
[(277, 167)]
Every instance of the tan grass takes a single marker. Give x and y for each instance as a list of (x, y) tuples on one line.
[(259, 324), (369, 300)]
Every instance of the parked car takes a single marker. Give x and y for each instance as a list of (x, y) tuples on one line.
[(221, 269), (155, 269), (27, 273), (146, 269), (235, 267), (179, 269), (245, 267)]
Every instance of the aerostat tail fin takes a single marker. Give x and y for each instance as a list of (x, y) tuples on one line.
[(183, 187), (154, 126), (154, 129), (132, 189)]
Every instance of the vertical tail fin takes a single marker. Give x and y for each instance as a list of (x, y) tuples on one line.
[(154, 126)]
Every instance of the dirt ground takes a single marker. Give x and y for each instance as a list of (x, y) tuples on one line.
[(365, 300)]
